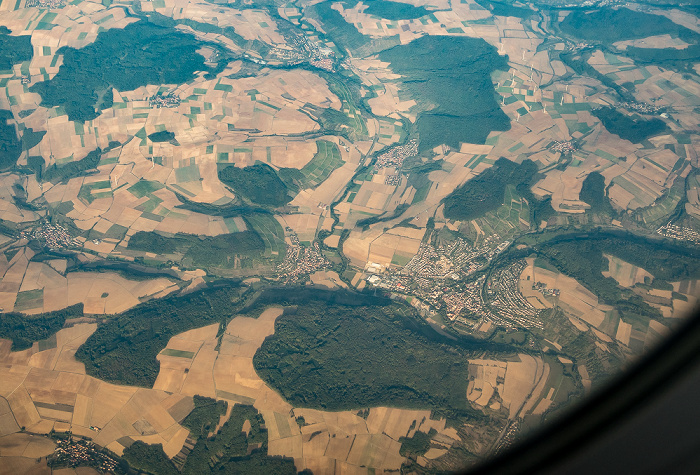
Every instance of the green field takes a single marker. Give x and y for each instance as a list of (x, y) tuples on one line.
[(30, 299), (177, 353), (352, 116), (663, 207), (89, 192), (225, 251), (326, 159), (144, 187), (506, 220), (271, 233)]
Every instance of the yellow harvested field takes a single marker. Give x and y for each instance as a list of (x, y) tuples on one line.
[(542, 406), (658, 41), (39, 447), (601, 335), (532, 402), (371, 450), (585, 379), (327, 279), (624, 331), (394, 422), (22, 453), (200, 379), (659, 328), (100, 293), (580, 325), (43, 397), (517, 383), (520, 380)]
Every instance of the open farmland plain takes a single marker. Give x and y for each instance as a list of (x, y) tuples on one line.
[(494, 207)]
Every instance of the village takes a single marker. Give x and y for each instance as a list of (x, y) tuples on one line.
[(680, 233), (642, 107), (46, 3), (300, 260), (508, 301), (442, 278), (566, 146), (53, 236), (396, 156), (168, 100), (300, 48), (78, 452)]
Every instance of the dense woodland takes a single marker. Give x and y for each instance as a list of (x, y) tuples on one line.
[(141, 53), (258, 183), (10, 145), (335, 356), (506, 8), (13, 49), (24, 330), (593, 193), (73, 169), (393, 10), (486, 191), (204, 417), (162, 136), (450, 77), (629, 128), (608, 25), (671, 57), (416, 445)]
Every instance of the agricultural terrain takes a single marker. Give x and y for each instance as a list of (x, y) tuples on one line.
[(341, 236)]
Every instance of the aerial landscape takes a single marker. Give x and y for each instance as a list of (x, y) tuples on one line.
[(352, 236)]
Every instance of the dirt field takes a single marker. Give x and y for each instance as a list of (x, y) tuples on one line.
[(48, 390), (518, 384)]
